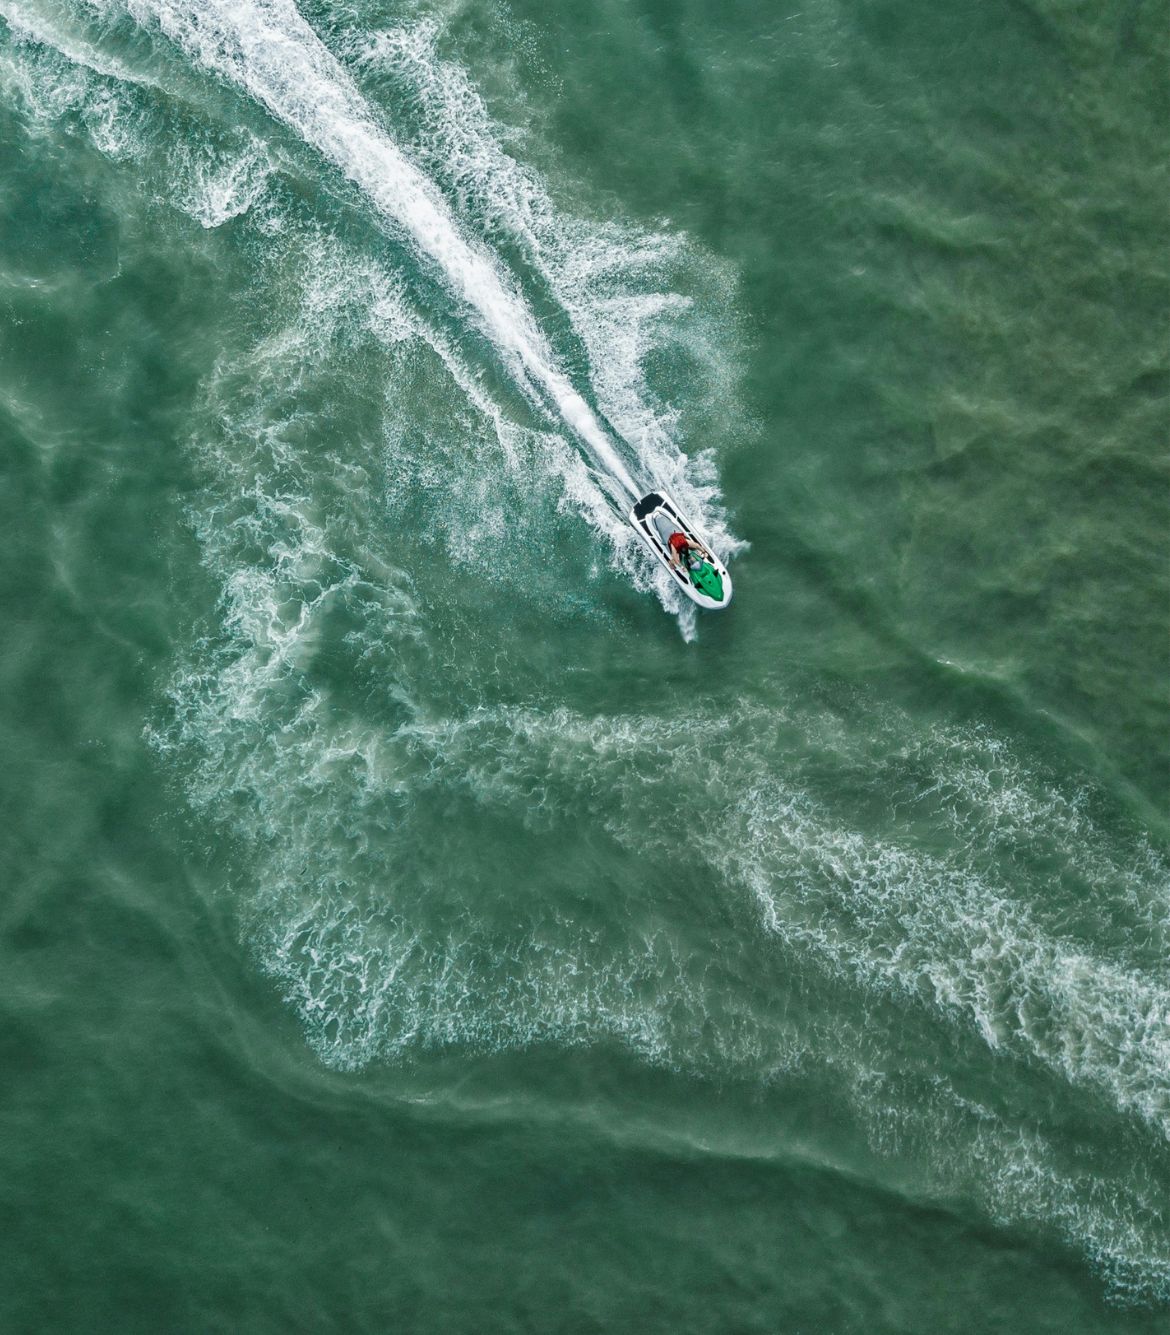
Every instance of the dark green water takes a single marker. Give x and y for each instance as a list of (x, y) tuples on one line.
[(412, 920)]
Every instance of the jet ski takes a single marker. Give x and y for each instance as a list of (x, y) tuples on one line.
[(697, 571)]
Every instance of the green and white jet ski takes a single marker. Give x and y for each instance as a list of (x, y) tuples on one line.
[(702, 576)]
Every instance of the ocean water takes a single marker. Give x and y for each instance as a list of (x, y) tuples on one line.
[(415, 919)]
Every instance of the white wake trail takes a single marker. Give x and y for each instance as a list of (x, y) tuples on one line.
[(268, 49)]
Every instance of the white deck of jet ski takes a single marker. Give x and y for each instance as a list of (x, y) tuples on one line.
[(655, 518)]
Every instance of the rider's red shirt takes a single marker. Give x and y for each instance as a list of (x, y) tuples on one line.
[(679, 542)]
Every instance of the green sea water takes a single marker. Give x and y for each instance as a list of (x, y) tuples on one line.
[(414, 919)]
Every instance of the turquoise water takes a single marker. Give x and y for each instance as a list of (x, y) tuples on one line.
[(414, 918)]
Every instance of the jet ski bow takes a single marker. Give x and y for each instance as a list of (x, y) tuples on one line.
[(692, 565)]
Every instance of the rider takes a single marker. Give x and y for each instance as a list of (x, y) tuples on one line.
[(681, 547)]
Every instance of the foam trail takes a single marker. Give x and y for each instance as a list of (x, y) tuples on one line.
[(269, 50), (26, 24)]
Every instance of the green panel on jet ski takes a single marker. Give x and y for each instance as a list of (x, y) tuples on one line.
[(707, 580)]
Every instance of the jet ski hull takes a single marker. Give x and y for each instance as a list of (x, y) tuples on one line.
[(655, 518)]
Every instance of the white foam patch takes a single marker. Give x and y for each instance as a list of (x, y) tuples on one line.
[(221, 186), (925, 926), (213, 174), (928, 926), (53, 73), (1014, 1172), (29, 27)]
